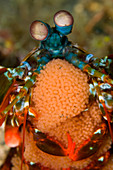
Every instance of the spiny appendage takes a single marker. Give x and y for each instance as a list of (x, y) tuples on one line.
[(9, 83), (94, 73), (23, 91), (88, 147), (104, 64), (104, 92), (74, 58), (8, 86), (14, 120), (15, 112), (105, 104)]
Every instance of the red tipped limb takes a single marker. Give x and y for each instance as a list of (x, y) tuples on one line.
[(12, 136)]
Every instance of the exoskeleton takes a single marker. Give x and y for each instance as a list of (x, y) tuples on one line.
[(17, 83)]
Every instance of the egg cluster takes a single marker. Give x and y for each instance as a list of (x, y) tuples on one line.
[(61, 92), (61, 101)]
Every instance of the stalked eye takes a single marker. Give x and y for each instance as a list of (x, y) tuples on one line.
[(39, 30), (63, 21), (63, 18)]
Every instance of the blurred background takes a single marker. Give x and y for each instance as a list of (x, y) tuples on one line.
[(93, 25), (93, 29)]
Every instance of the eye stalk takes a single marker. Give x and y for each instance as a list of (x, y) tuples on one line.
[(63, 21), (39, 30)]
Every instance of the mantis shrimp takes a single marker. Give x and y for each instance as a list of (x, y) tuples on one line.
[(17, 83)]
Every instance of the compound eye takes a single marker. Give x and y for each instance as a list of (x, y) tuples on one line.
[(63, 18), (39, 30)]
